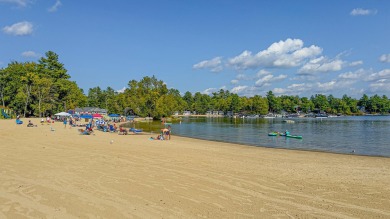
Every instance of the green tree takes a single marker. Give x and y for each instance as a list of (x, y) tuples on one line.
[(42, 92), (275, 104), (189, 99), (259, 105), (235, 103), (51, 67), (28, 81), (96, 98), (364, 101), (202, 103), (306, 105), (4, 80), (320, 102)]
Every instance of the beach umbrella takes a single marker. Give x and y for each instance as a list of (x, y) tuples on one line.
[(97, 115), (62, 114), (86, 116), (114, 115)]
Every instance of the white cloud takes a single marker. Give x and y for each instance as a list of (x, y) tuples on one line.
[(223, 88), (121, 90), (330, 87), (241, 77), (285, 54), (238, 89), (384, 74), (302, 86), (293, 89), (244, 90), (209, 91), (30, 54), (333, 87), (214, 64), (352, 75), (361, 11), (321, 64), (385, 58), (356, 63), (20, 3), (262, 72), (380, 86), (19, 29), (55, 7), (326, 86), (234, 81), (268, 79)]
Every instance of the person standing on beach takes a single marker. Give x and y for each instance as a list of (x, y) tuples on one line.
[(65, 121), (70, 122), (166, 134), (169, 132)]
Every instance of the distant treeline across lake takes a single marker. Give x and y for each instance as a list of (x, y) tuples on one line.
[(362, 135)]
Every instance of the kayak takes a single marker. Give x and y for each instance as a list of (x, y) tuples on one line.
[(282, 134), (294, 136)]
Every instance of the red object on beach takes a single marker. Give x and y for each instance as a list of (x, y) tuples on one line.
[(97, 115)]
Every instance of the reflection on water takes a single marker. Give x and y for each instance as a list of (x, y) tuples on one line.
[(364, 135)]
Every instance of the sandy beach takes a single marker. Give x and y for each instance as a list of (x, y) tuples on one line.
[(62, 174)]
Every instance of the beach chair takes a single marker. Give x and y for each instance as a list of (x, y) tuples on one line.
[(84, 131), (122, 131), (112, 129), (5, 115), (135, 131)]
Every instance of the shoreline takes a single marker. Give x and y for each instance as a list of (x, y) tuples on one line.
[(63, 174)]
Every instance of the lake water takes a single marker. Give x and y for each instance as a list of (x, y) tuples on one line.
[(363, 135)]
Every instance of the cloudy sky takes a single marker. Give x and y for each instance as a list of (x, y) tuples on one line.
[(247, 47)]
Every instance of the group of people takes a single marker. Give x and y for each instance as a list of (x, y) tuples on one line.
[(88, 129), (72, 122), (100, 125), (106, 126), (164, 135), (30, 124)]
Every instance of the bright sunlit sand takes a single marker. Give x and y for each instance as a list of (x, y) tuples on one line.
[(50, 171)]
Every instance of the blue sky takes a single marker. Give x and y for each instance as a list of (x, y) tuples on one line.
[(247, 47)]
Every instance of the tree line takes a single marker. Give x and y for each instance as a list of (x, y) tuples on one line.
[(44, 88)]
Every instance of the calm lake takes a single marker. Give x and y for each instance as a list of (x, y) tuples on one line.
[(363, 135)]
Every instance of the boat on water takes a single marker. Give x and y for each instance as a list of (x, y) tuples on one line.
[(269, 116), (321, 116), (293, 136), (252, 117), (274, 134), (285, 135)]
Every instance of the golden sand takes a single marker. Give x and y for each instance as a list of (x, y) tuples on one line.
[(62, 174)]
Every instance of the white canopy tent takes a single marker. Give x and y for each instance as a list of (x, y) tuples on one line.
[(62, 114)]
